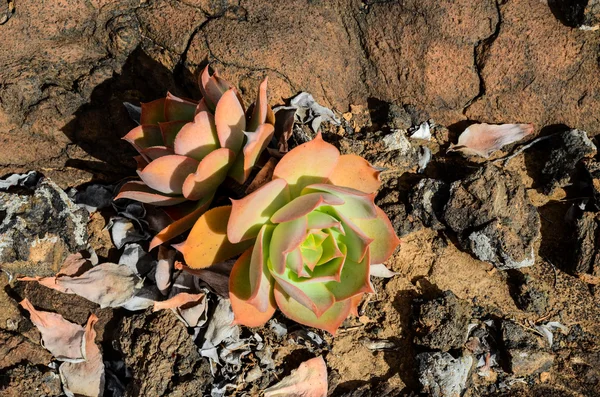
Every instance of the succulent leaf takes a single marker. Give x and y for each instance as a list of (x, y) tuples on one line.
[(139, 191), (153, 112), (198, 138), (355, 172), (230, 121), (179, 108), (166, 174)]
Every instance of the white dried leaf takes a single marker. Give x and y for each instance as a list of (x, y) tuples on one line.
[(484, 139), (423, 132), (379, 270)]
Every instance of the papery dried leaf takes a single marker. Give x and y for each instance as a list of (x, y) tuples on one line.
[(484, 139), (108, 284), (215, 276), (74, 265), (85, 378), (164, 269), (60, 337), (309, 380), (191, 308)]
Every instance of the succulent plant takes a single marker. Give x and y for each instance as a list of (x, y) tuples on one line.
[(309, 238), (188, 148)]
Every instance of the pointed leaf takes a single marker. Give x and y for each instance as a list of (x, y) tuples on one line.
[(179, 108), (154, 152), (256, 143), (355, 172), (212, 87), (167, 174), (138, 191), (329, 321), (382, 232), (202, 106), (314, 296), (260, 279), (211, 172), (304, 205), (312, 162), (259, 114), (182, 224), (207, 243), (240, 292), (357, 204), (250, 213), (153, 112), (198, 138), (286, 237), (230, 121), (144, 136)]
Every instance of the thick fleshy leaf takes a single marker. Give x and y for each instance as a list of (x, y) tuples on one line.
[(331, 250), (154, 152), (312, 162), (167, 174), (230, 121), (169, 131), (85, 378), (240, 292), (303, 205), (250, 213), (357, 204), (354, 238), (179, 108), (314, 296), (309, 380), (382, 232), (153, 112), (139, 191), (261, 282), (212, 87), (256, 142), (211, 172), (286, 237), (355, 172), (164, 269), (263, 176), (141, 162), (144, 136), (355, 302), (202, 106), (321, 220), (259, 114), (484, 139), (329, 321), (354, 280), (198, 138), (207, 243), (182, 224), (60, 337), (329, 271)]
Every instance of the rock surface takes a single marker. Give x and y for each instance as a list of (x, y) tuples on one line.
[(494, 218), (442, 375), (39, 229), (65, 69), (526, 352)]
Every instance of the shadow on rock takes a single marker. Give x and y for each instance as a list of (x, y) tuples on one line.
[(99, 125), (569, 12)]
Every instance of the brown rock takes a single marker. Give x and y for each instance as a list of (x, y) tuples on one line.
[(29, 381), (526, 362), (15, 348)]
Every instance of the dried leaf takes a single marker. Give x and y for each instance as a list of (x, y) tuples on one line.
[(85, 378), (62, 338), (379, 270), (309, 111), (484, 139), (423, 132), (215, 276), (108, 284), (190, 308), (309, 380), (164, 269)]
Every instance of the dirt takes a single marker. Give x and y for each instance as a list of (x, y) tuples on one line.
[(67, 66)]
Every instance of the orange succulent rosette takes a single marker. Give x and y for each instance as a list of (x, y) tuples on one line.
[(188, 148), (307, 238)]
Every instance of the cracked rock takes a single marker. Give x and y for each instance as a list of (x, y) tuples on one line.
[(568, 149), (39, 228), (587, 257), (494, 218), (442, 323), (427, 201), (442, 375)]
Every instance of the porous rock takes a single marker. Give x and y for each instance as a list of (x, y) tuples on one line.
[(527, 353), (30, 380), (531, 297), (568, 149), (586, 254), (427, 201), (442, 323), (39, 229), (442, 375), (494, 218)]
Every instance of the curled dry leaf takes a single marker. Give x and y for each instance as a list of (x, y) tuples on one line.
[(379, 270), (190, 308), (164, 269), (85, 378), (309, 380), (484, 139), (62, 338)]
